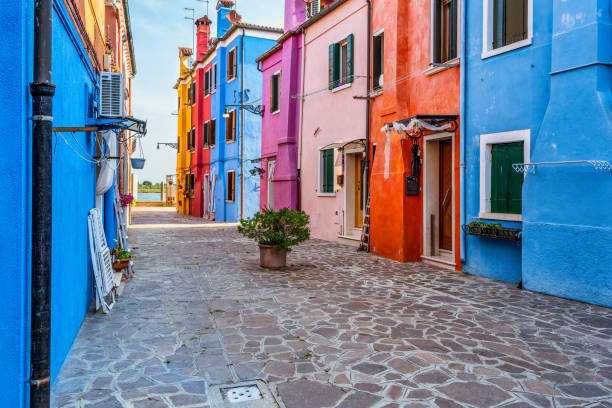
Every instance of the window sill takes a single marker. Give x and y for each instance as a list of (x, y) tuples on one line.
[(230, 141), (326, 194), (341, 87), (500, 216), (376, 92), (434, 70), (230, 201), (276, 112), (230, 79), (506, 48)]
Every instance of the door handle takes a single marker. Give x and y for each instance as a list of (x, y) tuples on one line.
[(445, 197)]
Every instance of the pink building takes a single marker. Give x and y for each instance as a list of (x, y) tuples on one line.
[(281, 67), (333, 124)]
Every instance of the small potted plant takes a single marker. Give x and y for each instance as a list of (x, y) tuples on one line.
[(276, 232), (122, 258), (126, 199)]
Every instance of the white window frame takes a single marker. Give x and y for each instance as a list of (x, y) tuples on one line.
[(214, 78), (486, 142), (209, 72), (277, 73), (320, 192), (455, 61), (378, 91), (235, 50), (487, 31)]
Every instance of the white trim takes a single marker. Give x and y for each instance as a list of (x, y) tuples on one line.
[(379, 32), (432, 70), (279, 74), (349, 215), (341, 87), (487, 31), (486, 140)]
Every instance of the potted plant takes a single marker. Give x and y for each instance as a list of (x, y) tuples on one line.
[(122, 258), (126, 199), (276, 232)]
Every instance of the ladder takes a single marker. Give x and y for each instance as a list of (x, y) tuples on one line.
[(365, 230)]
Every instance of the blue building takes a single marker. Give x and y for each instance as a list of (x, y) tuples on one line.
[(537, 88), (75, 75), (239, 82)]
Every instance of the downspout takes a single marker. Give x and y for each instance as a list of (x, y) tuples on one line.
[(368, 108), (462, 126), (303, 70), (242, 125), (42, 91)]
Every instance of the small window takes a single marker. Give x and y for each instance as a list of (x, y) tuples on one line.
[(214, 77), (206, 135), (191, 139), (507, 25), (191, 181), (232, 64), (445, 30), (275, 92), (191, 96), (231, 186), (314, 7), (213, 125), (341, 62), (378, 48), (230, 126), (207, 83), (327, 171)]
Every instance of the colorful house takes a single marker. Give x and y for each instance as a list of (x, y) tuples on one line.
[(230, 186), (414, 178), (57, 199), (538, 107), (186, 137), (282, 75)]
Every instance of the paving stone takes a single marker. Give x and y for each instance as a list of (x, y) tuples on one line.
[(181, 400), (369, 368), (359, 400), (583, 390), (309, 394), (480, 395)]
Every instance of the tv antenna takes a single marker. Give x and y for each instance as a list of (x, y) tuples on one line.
[(192, 18), (207, 5)]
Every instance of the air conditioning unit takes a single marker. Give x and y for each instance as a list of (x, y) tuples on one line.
[(111, 94)]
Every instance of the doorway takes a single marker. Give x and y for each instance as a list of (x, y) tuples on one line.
[(205, 196), (358, 187), (353, 180), (438, 199)]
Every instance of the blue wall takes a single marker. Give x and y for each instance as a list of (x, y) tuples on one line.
[(225, 157), (566, 245), (15, 209)]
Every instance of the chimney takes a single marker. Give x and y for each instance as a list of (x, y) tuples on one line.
[(224, 7), (203, 36), (295, 13)]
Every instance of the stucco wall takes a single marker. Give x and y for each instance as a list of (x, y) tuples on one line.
[(328, 116)]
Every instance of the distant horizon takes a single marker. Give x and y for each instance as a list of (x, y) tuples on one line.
[(158, 30)]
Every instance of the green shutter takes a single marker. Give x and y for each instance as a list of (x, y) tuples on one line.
[(349, 57), (506, 184), (328, 171), (331, 66), (334, 65)]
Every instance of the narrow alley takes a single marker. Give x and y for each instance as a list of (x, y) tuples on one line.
[(335, 328)]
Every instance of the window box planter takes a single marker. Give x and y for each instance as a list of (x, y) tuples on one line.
[(121, 264), (494, 231)]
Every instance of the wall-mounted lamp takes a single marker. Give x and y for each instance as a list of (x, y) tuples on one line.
[(226, 113)]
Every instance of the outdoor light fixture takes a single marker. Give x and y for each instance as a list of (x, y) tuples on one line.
[(226, 113), (254, 109)]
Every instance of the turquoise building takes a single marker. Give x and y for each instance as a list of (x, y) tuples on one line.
[(537, 115)]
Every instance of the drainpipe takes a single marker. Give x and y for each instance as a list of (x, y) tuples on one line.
[(303, 71), (242, 125), (368, 108), (462, 134), (42, 91)]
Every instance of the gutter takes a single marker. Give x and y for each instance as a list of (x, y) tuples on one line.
[(462, 134), (128, 30), (242, 125), (368, 120), (301, 133), (42, 91)]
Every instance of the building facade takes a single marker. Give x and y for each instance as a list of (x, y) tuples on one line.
[(558, 55), (186, 137), (414, 178), (80, 43)]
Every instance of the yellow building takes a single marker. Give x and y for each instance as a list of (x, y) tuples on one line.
[(185, 135)]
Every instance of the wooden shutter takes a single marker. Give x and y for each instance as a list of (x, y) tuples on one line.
[(207, 82), (228, 127), (453, 35), (328, 171), (437, 31), (331, 66), (213, 125), (231, 185), (350, 53), (506, 184), (235, 63), (233, 125), (205, 135)]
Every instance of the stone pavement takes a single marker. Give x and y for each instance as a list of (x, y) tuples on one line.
[(336, 328)]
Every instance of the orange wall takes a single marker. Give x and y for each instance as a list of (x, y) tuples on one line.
[(396, 219)]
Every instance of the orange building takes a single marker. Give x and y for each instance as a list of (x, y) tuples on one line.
[(414, 138)]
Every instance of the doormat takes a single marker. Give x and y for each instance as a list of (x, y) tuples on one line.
[(245, 394)]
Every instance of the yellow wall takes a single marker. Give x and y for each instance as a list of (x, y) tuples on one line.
[(94, 11), (183, 157)]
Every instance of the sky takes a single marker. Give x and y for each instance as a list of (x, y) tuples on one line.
[(159, 27)]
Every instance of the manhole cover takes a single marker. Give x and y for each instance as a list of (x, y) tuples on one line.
[(246, 394), (240, 394)]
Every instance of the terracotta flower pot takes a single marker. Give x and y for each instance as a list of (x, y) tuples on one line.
[(121, 264), (270, 257)]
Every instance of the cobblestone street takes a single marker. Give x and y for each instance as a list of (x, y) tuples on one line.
[(336, 328)]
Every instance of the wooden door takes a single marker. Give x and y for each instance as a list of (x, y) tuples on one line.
[(445, 198), (358, 191)]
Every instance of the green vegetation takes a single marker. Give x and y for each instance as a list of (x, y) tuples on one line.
[(281, 229), (148, 187)]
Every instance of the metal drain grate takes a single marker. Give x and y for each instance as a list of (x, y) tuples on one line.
[(241, 394)]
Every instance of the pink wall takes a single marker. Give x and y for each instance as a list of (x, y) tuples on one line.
[(295, 13), (328, 116)]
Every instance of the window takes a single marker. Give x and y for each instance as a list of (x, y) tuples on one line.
[(444, 30), (341, 62), (231, 186), (500, 185), (230, 126), (206, 135), (214, 77), (275, 91), (211, 139), (507, 25), (378, 68), (191, 94), (232, 64), (207, 83), (189, 181), (191, 139), (327, 171)]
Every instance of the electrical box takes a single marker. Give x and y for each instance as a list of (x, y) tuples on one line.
[(340, 179), (412, 186), (111, 94)]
